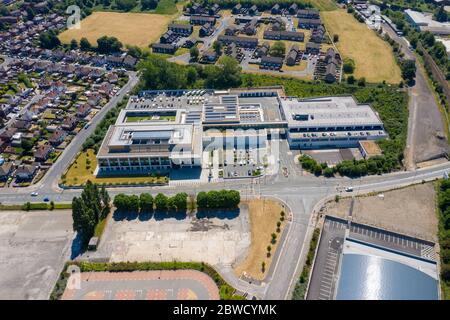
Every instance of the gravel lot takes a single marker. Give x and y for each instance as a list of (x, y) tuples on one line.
[(33, 249), (409, 211)]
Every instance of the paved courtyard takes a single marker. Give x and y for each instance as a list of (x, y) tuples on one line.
[(222, 238), (33, 249), (141, 285)]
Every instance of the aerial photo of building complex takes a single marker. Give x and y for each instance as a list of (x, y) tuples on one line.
[(224, 150)]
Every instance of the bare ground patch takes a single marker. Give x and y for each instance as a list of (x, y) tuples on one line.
[(409, 211), (264, 215)]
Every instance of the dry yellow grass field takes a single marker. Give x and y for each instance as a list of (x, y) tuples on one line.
[(264, 215), (138, 29), (373, 57)]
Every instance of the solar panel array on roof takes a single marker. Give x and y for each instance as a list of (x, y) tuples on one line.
[(148, 135), (193, 116), (220, 113), (229, 100)]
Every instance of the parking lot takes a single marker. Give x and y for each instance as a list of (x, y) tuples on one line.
[(324, 274), (395, 241)]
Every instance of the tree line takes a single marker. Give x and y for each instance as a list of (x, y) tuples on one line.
[(89, 209), (158, 73), (444, 232), (223, 199), (147, 203)]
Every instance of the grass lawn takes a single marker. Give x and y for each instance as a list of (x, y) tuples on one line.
[(139, 29), (79, 173), (100, 227), (373, 57), (299, 67), (324, 5), (264, 215)]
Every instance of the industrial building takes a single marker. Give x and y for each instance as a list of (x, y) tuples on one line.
[(330, 122), (424, 22), (165, 129)]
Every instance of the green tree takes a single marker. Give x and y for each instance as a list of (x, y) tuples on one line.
[(408, 68), (161, 201), (278, 49), (146, 202), (180, 201), (194, 53), (126, 5), (121, 202), (49, 39), (108, 45), (73, 44), (85, 45), (202, 200), (217, 46)]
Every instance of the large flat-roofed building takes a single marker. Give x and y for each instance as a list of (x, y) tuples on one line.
[(330, 122), (164, 129), (425, 22), (145, 147)]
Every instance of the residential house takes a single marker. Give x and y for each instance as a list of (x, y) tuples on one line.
[(22, 125), (236, 9), (276, 9), (263, 50), (308, 23), (42, 152), (83, 110), (312, 48), (293, 9), (214, 9), (201, 20), (6, 170), (273, 63), (206, 30), (130, 62), (284, 35), (181, 29), (251, 27), (164, 48), (231, 30), (94, 99), (57, 137), (292, 55), (308, 14), (69, 123), (253, 10), (26, 172)]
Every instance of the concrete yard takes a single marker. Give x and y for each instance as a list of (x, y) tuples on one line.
[(220, 239), (33, 249), (410, 211)]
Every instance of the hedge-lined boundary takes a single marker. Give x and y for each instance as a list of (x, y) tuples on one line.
[(226, 291), (302, 284)]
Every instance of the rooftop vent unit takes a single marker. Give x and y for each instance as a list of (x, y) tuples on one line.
[(301, 117)]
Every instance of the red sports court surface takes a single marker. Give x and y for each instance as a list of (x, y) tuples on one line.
[(141, 285)]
